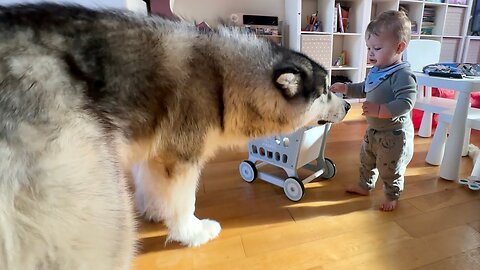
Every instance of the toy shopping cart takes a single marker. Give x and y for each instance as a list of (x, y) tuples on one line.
[(290, 153)]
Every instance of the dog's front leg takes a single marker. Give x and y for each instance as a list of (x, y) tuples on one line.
[(167, 191)]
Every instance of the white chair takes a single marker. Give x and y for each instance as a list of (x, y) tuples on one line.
[(422, 52), (437, 146), (419, 53)]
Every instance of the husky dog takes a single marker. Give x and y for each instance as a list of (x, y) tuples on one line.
[(88, 96)]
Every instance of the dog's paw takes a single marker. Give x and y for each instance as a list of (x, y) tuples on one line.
[(147, 210), (150, 212), (211, 229), (203, 231), (153, 216)]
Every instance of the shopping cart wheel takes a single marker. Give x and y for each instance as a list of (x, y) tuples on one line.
[(330, 169), (248, 171), (294, 189)]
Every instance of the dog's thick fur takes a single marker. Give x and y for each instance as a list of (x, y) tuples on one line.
[(88, 96)]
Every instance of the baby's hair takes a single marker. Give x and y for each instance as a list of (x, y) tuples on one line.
[(395, 23)]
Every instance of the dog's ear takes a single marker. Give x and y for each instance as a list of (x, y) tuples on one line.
[(288, 79)]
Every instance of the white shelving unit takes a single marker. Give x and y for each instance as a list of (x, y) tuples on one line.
[(449, 27), (326, 46), (471, 52)]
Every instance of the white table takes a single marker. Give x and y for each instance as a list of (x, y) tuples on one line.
[(450, 166)]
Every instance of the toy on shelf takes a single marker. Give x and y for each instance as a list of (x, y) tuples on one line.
[(473, 182), (343, 20), (341, 59), (313, 24), (290, 152)]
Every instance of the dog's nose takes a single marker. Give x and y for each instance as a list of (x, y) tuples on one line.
[(347, 106)]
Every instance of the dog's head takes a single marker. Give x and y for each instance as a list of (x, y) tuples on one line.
[(302, 80), (283, 91)]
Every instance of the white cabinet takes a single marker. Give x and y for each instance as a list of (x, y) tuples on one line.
[(327, 45), (438, 20)]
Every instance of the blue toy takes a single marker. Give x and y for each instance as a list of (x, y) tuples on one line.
[(472, 182)]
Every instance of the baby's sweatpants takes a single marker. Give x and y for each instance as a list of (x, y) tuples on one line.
[(386, 153)]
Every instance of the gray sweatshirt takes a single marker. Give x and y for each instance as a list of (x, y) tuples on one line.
[(398, 92)]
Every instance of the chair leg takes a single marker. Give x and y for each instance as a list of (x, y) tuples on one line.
[(425, 129), (466, 142), (437, 146)]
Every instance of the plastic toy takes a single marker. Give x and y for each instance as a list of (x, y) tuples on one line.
[(473, 182), (290, 153)]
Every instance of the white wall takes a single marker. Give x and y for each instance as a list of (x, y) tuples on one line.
[(211, 10), (134, 5), (89, 3), (199, 10)]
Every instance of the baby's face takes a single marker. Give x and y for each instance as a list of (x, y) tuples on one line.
[(383, 50)]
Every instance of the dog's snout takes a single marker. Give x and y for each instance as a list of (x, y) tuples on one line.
[(347, 106)]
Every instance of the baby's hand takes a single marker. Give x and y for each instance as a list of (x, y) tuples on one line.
[(370, 109), (339, 88), (375, 110)]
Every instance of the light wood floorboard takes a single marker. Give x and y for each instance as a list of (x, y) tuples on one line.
[(436, 226)]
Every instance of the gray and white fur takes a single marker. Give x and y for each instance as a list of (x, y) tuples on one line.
[(88, 97)]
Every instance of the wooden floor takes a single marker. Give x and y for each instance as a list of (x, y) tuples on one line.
[(436, 226)]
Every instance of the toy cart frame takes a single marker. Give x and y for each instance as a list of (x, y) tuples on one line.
[(290, 153)]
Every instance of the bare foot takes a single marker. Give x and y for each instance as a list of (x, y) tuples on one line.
[(388, 205), (357, 190)]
